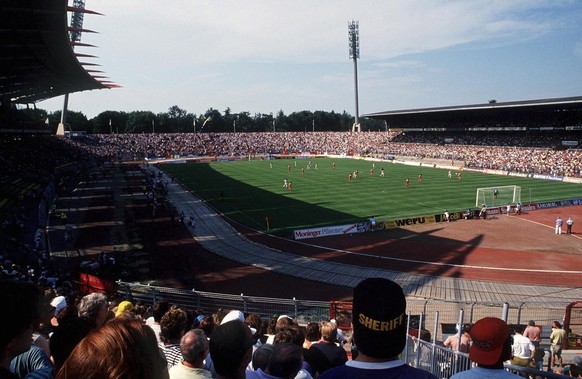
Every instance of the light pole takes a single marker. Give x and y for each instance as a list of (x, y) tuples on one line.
[(354, 41)]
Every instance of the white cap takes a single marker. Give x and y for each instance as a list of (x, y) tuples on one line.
[(236, 316)]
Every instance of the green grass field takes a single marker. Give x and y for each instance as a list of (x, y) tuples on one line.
[(253, 191)]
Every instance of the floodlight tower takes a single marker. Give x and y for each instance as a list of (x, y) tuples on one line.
[(354, 41), (74, 36)]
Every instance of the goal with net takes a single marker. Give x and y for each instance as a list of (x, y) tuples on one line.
[(497, 196)]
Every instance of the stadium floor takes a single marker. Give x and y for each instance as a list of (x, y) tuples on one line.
[(515, 258)]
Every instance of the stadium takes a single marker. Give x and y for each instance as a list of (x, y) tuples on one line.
[(199, 218)]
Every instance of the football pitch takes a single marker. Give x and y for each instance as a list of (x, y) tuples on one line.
[(250, 192)]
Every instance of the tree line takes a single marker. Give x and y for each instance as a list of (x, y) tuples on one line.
[(178, 120)]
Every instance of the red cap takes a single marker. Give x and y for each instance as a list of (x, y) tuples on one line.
[(489, 335)]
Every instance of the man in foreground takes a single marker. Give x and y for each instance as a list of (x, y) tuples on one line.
[(379, 332), (491, 347)]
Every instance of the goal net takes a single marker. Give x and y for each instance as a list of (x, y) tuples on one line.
[(497, 196)]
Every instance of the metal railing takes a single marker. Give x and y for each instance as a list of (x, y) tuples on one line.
[(429, 355)]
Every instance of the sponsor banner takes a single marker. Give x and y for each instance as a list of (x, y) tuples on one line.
[(392, 224), (529, 207), (331, 230), (569, 143), (453, 216), (518, 174), (548, 177), (494, 211), (548, 204), (572, 180), (495, 172), (571, 202)]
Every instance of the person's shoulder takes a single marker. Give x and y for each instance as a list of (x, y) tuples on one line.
[(416, 373), (339, 372), (345, 371)]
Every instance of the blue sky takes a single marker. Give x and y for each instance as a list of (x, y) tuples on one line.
[(262, 56)]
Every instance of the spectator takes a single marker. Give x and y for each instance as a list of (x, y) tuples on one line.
[(121, 348), (284, 363), (194, 348), (522, 349), (491, 347), (21, 310), (231, 348), (379, 331), (294, 334), (172, 327), (325, 353), (94, 307), (159, 309), (62, 342), (261, 357), (282, 322), (124, 307), (575, 369), (254, 322), (534, 333), (557, 340), (453, 341), (32, 360), (312, 334)]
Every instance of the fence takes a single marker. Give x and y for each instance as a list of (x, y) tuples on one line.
[(309, 310), (444, 362), (427, 355)]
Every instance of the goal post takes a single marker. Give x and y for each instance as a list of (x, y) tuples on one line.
[(497, 196)]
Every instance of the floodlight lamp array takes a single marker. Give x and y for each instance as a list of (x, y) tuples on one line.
[(354, 39)]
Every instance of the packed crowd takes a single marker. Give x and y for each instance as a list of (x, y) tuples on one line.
[(522, 153), (91, 336), (48, 334)]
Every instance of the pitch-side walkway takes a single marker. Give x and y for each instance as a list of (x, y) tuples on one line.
[(219, 237)]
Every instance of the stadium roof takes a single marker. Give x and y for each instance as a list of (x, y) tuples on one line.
[(567, 102), (38, 61)]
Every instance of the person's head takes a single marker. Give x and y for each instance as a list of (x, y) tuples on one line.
[(121, 348), (379, 318), (290, 334), (283, 321), (531, 323), (94, 307), (123, 307), (66, 336), (286, 361), (207, 324), (21, 312), (194, 347), (254, 321), (491, 342), (312, 332), (173, 325), (467, 328), (261, 357), (159, 309), (328, 331), (518, 329), (231, 348), (556, 324)]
